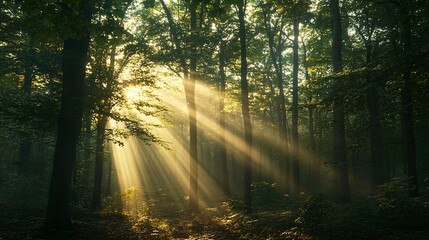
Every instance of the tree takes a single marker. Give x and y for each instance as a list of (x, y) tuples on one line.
[(224, 180), (189, 75), (74, 59), (25, 146), (245, 108), (295, 144), (407, 105), (339, 143), (276, 57), (109, 75), (366, 24), (192, 111)]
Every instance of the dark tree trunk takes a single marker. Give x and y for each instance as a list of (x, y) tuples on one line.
[(340, 155), (25, 145), (312, 140), (408, 106), (314, 168), (295, 146), (87, 148), (373, 105), (109, 179), (28, 68), (246, 111), (106, 105), (318, 150), (376, 138), (189, 85), (276, 56), (190, 100), (99, 162), (223, 179), (74, 60)]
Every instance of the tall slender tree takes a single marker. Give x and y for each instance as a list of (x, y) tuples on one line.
[(224, 180), (192, 111), (74, 59), (407, 105), (25, 145), (245, 108), (295, 146), (340, 156), (189, 76), (105, 106), (366, 30), (276, 49)]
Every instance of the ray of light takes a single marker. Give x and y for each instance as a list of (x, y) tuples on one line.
[(154, 168), (208, 124)]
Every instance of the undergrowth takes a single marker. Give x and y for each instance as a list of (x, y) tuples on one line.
[(387, 215)]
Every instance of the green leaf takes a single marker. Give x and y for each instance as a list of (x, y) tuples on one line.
[(149, 3)]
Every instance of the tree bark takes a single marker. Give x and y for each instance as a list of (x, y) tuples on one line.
[(74, 59), (109, 178), (245, 110), (295, 146), (189, 85), (224, 179), (318, 150), (340, 155), (314, 168), (190, 99), (101, 133), (408, 106), (99, 162), (25, 145), (376, 137), (276, 56)]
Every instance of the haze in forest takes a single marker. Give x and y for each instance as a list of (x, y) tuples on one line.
[(214, 119)]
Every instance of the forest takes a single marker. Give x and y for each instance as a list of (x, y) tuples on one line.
[(214, 119)]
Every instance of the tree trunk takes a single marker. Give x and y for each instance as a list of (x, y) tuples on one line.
[(87, 148), (313, 182), (224, 180), (295, 146), (318, 150), (25, 145), (189, 85), (376, 138), (74, 60), (408, 106), (245, 110), (109, 178), (101, 133), (277, 61), (340, 155), (99, 162), (192, 111)]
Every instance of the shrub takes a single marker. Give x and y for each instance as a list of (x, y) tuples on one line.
[(313, 215), (397, 209), (266, 194)]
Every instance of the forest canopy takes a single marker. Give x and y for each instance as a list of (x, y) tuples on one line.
[(214, 119)]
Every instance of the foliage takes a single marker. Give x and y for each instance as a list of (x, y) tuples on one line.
[(398, 209), (268, 195), (113, 204), (379, 217), (127, 202), (313, 215)]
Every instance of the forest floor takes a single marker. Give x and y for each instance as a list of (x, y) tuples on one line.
[(17, 223), (391, 215)]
